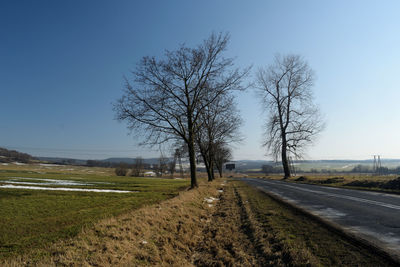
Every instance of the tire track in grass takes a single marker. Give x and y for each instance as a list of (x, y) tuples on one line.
[(227, 237)]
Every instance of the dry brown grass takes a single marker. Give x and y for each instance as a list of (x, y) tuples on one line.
[(244, 227), (236, 237), (225, 239), (288, 237), (163, 234)]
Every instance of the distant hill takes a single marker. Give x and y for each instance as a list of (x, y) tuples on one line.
[(130, 160), (59, 160), (243, 165), (13, 155), (107, 162)]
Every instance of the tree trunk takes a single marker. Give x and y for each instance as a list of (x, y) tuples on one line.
[(219, 167), (212, 170), (285, 162), (211, 163), (192, 161), (220, 172), (209, 172)]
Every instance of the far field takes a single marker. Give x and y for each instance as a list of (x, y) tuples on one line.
[(32, 219)]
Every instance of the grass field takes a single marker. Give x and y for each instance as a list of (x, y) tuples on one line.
[(31, 219)]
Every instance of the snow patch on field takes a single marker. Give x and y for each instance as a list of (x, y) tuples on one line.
[(46, 181), (210, 200), (48, 165), (65, 189)]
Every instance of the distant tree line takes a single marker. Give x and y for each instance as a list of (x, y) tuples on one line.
[(361, 169), (270, 169), (12, 155), (139, 168), (100, 163)]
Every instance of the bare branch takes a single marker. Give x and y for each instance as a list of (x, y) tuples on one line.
[(293, 121)]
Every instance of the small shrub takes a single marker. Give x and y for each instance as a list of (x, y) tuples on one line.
[(334, 180), (369, 184), (392, 184), (301, 179), (121, 171)]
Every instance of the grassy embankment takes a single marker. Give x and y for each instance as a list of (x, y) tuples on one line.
[(243, 227), (30, 220), (256, 230)]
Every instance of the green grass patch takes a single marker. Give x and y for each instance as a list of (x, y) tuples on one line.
[(31, 219)]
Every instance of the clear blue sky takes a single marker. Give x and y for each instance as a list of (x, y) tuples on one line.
[(62, 63)]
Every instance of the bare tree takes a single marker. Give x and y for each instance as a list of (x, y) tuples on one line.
[(294, 120), (165, 98), (162, 165), (220, 126), (222, 155), (138, 167), (121, 169), (172, 167), (180, 151)]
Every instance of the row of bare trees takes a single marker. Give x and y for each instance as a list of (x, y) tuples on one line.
[(170, 99), (188, 96)]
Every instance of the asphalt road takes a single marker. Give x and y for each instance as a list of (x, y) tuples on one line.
[(372, 216)]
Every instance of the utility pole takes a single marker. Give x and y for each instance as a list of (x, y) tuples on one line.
[(377, 167), (291, 166), (178, 154)]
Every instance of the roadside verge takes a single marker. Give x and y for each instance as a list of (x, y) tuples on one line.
[(356, 239)]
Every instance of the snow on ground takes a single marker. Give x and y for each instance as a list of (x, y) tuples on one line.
[(65, 189), (210, 199), (46, 181), (49, 165)]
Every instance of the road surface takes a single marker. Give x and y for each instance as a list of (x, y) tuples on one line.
[(372, 216)]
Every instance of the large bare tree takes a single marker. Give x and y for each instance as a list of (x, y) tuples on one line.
[(165, 98), (293, 119)]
